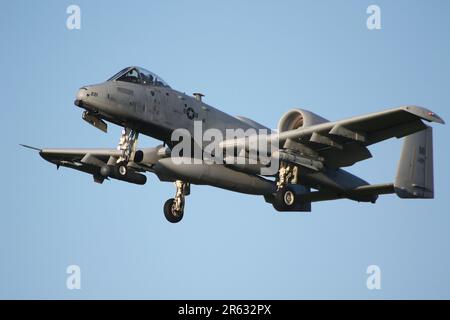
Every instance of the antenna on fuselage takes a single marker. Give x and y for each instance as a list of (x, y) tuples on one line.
[(198, 96)]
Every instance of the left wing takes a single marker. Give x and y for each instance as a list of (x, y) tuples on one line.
[(342, 143)]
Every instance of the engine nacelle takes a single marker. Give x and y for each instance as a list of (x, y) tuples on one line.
[(298, 118)]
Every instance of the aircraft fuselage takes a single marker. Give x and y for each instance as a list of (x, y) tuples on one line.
[(153, 110)]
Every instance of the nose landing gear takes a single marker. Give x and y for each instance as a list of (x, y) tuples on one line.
[(174, 207)]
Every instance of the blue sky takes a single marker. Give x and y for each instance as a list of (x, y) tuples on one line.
[(252, 58)]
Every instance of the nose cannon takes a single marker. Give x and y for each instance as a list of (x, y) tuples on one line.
[(82, 95), (82, 100)]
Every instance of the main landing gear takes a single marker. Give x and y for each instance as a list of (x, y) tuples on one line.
[(285, 196), (174, 207)]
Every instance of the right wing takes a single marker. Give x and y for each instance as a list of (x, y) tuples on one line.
[(92, 161)]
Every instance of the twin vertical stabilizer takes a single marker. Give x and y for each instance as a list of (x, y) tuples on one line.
[(415, 169)]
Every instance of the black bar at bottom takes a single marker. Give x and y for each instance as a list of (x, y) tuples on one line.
[(224, 309)]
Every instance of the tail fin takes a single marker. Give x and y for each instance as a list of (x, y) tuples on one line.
[(415, 170)]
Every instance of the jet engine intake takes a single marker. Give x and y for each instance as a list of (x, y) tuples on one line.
[(299, 118)]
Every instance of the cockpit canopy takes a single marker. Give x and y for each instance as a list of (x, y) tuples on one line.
[(139, 75)]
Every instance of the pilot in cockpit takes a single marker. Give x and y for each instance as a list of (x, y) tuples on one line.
[(139, 76), (146, 78), (130, 76)]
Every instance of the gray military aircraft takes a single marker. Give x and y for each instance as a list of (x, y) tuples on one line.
[(309, 156)]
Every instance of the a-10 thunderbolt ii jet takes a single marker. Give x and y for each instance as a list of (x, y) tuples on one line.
[(303, 158)]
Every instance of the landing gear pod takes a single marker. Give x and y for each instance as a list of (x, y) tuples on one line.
[(122, 172)]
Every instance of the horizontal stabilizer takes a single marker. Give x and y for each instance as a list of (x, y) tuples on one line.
[(366, 193)]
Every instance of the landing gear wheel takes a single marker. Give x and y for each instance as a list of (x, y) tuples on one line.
[(289, 198), (122, 170), (170, 213), (286, 198)]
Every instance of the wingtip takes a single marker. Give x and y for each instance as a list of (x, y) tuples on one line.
[(30, 147), (424, 113), (434, 117)]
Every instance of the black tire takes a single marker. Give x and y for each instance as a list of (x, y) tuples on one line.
[(285, 199), (169, 214)]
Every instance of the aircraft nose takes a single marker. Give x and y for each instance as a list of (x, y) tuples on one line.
[(82, 94)]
